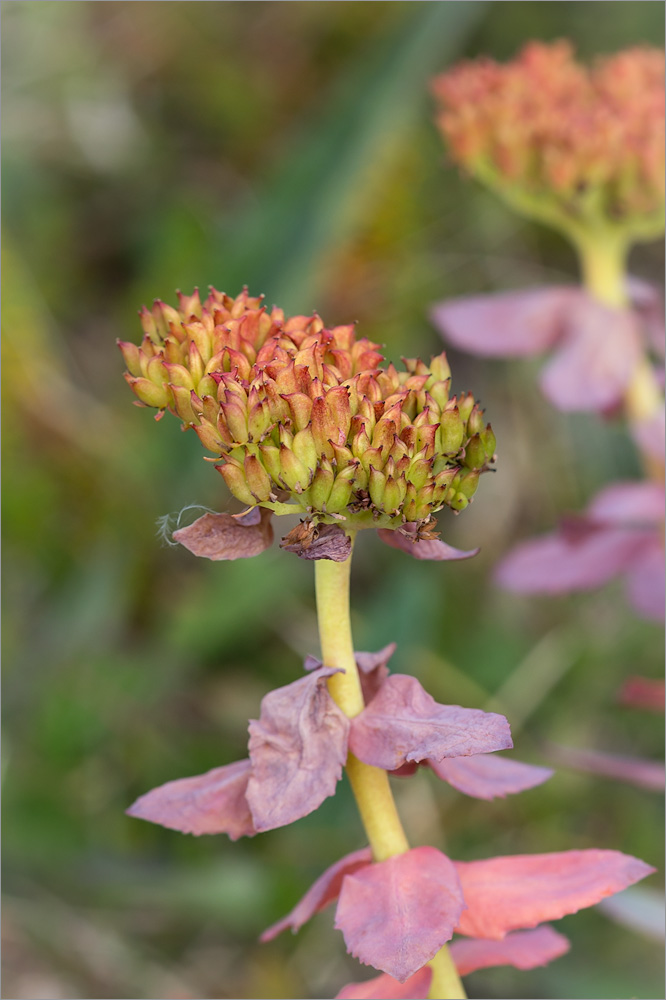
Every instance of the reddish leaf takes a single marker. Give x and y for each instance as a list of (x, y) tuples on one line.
[(642, 773), (649, 307), (298, 748), (595, 364), (506, 893), (320, 894), (643, 692), (430, 548), (318, 541), (403, 723), (557, 564), (488, 775), (373, 670), (640, 502), (208, 803), (506, 324), (522, 950), (387, 988), (646, 583), (395, 915), (228, 536)]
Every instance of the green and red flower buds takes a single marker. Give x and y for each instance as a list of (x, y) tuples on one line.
[(303, 414)]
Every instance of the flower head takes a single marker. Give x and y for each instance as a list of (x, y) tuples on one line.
[(304, 418), (561, 141)]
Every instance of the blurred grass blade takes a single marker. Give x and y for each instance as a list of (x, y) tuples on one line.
[(323, 190)]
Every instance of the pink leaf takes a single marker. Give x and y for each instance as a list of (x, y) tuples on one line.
[(639, 502), (385, 987), (431, 548), (636, 771), (649, 306), (506, 324), (522, 950), (488, 775), (404, 723), (298, 748), (557, 564), (395, 915), (645, 581), (320, 894), (208, 803), (373, 670), (523, 890), (228, 536), (595, 364)]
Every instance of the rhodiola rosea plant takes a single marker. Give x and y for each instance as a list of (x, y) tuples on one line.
[(580, 149), (305, 420)]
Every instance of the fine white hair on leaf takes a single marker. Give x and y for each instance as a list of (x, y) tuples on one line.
[(168, 523)]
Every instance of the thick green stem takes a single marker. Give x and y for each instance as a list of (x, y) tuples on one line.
[(603, 262), (370, 785)]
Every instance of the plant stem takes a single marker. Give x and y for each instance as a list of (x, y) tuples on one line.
[(603, 263), (370, 785)]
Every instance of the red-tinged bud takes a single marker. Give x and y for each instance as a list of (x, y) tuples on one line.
[(179, 375), (209, 437), (236, 483), (342, 491), (475, 422), (321, 487), (131, 355), (235, 417), (147, 392), (338, 414), (445, 479), (468, 483), (303, 446), (201, 346), (189, 305), (366, 409), (321, 429), (376, 486), (394, 494), (383, 436), (426, 437), (180, 399), (256, 478), (452, 431), (475, 453), (293, 473), (270, 459), (231, 361), (409, 509), (300, 408), (149, 324), (210, 409)]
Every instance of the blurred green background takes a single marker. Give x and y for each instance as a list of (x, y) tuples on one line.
[(289, 146)]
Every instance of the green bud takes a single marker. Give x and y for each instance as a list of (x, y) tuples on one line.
[(257, 478), (304, 448), (293, 473), (489, 441), (270, 459), (342, 491), (475, 422), (469, 482), (376, 486), (394, 494), (475, 453), (465, 406), (321, 487), (451, 431), (236, 483)]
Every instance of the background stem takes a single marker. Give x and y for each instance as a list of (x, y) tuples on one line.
[(370, 785)]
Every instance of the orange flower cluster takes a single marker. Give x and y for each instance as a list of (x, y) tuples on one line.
[(303, 413), (591, 140)]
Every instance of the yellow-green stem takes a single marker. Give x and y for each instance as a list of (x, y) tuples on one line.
[(603, 259), (370, 785)]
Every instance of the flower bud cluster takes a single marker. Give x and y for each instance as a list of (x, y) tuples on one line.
[(303, 413), (589, 139)]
